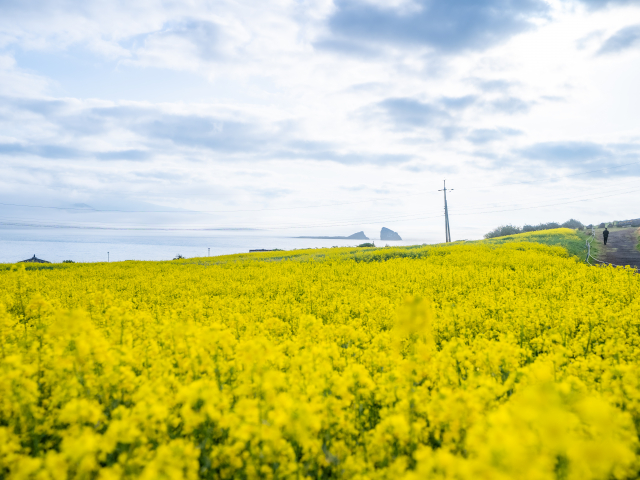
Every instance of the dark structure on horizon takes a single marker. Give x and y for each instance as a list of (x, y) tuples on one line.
[(387, 234), (33, 259)]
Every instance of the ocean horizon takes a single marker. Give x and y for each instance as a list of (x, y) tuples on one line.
[(100, 246)]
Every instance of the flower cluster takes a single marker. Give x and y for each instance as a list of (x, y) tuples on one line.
[(463, 361)]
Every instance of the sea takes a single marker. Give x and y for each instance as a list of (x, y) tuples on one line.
[(56, 245)]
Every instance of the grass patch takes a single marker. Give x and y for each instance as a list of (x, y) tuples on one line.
[(595, 245), (573, 240)]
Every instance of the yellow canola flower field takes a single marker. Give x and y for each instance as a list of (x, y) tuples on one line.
[(466, 361)]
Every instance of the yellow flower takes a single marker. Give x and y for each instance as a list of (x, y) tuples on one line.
[(465, 361)]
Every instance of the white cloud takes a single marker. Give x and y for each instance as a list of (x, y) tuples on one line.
[(17, 82), (227, 88)]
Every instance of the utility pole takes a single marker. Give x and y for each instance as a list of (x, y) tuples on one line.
[(107, 256), (446, 212), (208, 251)]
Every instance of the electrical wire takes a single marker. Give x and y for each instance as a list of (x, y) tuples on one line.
[(548, 205), (393, 219), (371, 200), (551, 179), (383, 217), (359, 221), (524, 200), (207, 211)]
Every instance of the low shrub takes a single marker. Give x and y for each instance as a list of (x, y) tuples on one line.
[(505, 230)]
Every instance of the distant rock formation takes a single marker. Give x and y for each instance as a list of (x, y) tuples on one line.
[(358, 236), (386, 234), (33, 260), (355, 236)]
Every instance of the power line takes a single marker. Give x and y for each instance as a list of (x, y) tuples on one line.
[(552, 178), (359, 220), (89, 227), (182, 211), (525, 202), (394, 219), (446, 213), (551, 204), (204, 211)]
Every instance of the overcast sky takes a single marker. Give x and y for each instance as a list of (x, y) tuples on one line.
[(354, 110)]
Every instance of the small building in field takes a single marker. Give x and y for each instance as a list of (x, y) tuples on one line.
[(33, 259)]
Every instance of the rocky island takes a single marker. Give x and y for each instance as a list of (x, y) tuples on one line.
[(386, 234), (355, 236)]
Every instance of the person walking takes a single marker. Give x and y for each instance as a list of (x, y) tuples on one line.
[(605, 235)]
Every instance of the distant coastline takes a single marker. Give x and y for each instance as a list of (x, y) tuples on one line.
[(355, 236), (385, 234), (329, 238)]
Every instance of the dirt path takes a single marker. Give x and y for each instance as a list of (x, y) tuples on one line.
[(620, 248)]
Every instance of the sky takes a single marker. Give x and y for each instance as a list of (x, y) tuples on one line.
[(317, 116)]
